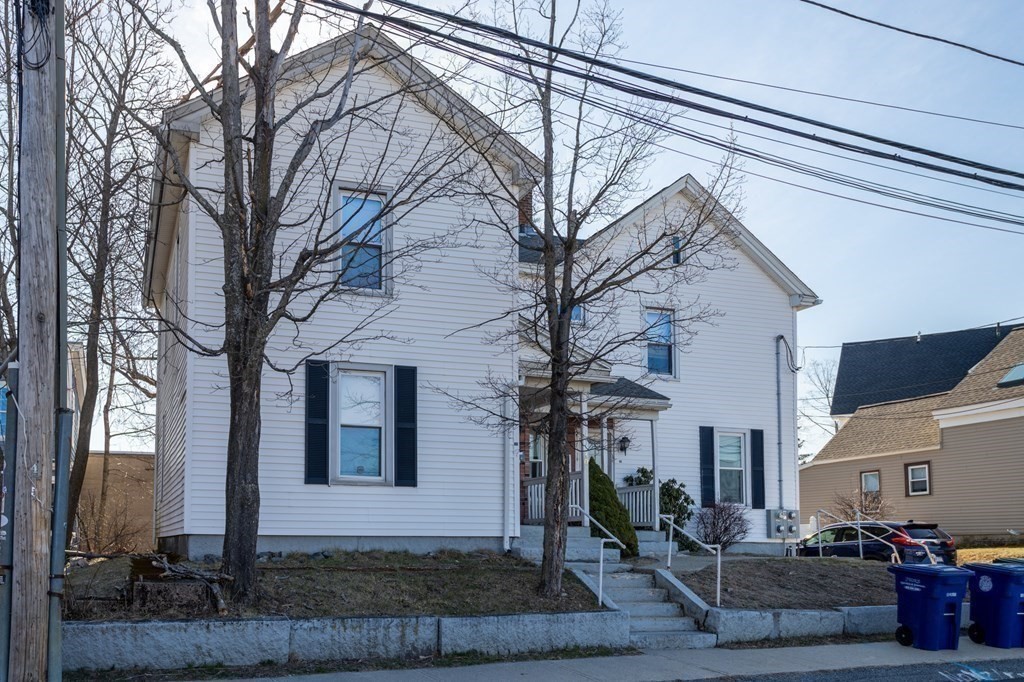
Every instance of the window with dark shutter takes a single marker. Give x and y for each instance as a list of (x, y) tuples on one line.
[(318, 409), (707, 466), (405, 427)]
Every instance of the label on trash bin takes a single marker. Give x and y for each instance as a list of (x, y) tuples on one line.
[(985, 583), (911, 584)]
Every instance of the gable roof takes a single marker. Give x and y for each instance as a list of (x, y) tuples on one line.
[(624, 388), (801, 296), (981, 385), (900, 426), (435, 95), (886, 370)]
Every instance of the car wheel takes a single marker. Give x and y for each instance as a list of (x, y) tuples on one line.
[(976, 633), (904, 636)]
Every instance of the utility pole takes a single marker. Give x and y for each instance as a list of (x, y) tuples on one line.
[(37, 330)]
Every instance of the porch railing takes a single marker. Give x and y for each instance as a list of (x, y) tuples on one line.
[(535, 498), (641, 504)]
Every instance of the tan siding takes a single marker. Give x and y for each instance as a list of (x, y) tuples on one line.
[(977, 480)]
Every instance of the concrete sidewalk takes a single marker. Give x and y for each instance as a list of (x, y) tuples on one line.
[(687, 664)]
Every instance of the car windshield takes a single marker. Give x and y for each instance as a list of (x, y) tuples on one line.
[(919, 533)]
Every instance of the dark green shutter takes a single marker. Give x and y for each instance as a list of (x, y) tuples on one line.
[(707, 466), (757, 468), (318, 410), (405, 427)]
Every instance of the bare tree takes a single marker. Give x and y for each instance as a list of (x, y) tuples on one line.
[(286, 126), (814, 413), (117, 79), (580, 301), (870, 504), (8, 182)]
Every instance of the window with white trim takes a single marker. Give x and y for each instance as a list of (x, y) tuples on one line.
[(577, 315), (870, 482), (361, 434), (659, 342), (538, 455), (732, 458), (919, 479), (361, 228)]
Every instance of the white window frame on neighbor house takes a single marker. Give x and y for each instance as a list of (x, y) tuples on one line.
[(672, 364), (878, 482), (918, 466), (386, 422), (744, 467), (341, 193), (538, 454)]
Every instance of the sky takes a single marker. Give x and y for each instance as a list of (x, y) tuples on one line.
[(880, 273)]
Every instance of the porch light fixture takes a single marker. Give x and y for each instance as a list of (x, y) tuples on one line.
[(624, 443)]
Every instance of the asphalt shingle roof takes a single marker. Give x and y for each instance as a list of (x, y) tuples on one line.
[(886, 428), (872, 372), (624, 388), (531, 248), (981, 385)]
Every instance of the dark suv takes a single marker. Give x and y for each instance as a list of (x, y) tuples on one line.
[(840, 540)]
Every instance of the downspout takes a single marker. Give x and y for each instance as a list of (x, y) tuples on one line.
[(506, 532), (778, 408)]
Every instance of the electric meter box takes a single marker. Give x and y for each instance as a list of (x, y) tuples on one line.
[(783, 523)]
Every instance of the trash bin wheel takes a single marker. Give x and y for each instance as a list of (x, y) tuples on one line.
[(904, 636), (976, 633)]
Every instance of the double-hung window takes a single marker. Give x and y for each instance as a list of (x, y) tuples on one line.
[(362, 233), (362, 402), (919, 479), (870, 483), (659, 342), (577, 315), (732, 459)]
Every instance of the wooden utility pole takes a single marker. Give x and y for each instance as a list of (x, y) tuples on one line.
[(37, 329)]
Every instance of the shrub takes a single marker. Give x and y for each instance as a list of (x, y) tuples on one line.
[(723, 524), (609, 512), (672, 500)]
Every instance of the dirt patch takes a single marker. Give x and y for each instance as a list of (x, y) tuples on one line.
[(348, 584), (796, 584), (987, 555)]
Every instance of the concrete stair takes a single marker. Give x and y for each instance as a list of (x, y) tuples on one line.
[(654, 621), (653, 543), (581, 547)]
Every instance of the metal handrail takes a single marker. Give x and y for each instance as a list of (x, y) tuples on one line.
[(894, 557), (600, 562), (922, 543), (714, 549)]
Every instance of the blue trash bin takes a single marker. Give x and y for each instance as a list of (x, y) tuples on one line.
[(997, 604), (928, 602), (1010, 560)]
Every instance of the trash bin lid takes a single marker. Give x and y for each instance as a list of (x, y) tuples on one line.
[(933, 571), (1014, 569), (1010, 560)]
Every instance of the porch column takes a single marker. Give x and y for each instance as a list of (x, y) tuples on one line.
[(654, 471), (585, 459), (605, 452)]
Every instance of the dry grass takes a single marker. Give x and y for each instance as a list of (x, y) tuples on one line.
[(796, 583), (987, 555), (351, 584)]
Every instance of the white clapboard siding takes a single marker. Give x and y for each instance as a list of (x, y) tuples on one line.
[(460, 489), (725, 377)]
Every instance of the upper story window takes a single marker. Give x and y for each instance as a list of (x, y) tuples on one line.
[(362, 254), (677, 251), (732, 459), (870, 482), (919, 479), (361, 433), (577, 315), (659, 342)]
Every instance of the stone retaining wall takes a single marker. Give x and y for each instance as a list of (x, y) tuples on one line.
[(179, 644)]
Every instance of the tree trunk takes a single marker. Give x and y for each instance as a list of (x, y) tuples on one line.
[(89, 395)]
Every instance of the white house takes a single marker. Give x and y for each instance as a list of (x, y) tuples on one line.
[(360, 446)]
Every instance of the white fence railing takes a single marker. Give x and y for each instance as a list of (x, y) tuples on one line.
[(640, 502), (535, 498)]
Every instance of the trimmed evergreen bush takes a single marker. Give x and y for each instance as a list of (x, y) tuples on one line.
[(606, 508)]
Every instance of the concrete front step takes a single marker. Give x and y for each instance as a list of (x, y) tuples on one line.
[(631, 579), (536, 554), (636, 594), (661, 624), (537, 532), (591, 567), (673, 640), (648, 548), (649, 608), (651, 536)]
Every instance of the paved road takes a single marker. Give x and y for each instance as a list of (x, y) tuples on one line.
[(968, 671)]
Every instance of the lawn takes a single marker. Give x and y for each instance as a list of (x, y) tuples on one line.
[(343, 584), (987, 554), (804, 583)]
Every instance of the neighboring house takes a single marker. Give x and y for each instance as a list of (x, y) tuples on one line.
[(404, 469), (946, 442), (120, 485)]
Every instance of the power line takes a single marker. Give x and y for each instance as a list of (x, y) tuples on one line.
[(813, 93), (674, 85), (944, 41)]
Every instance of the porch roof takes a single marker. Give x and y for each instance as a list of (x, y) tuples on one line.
[(624, 388)]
